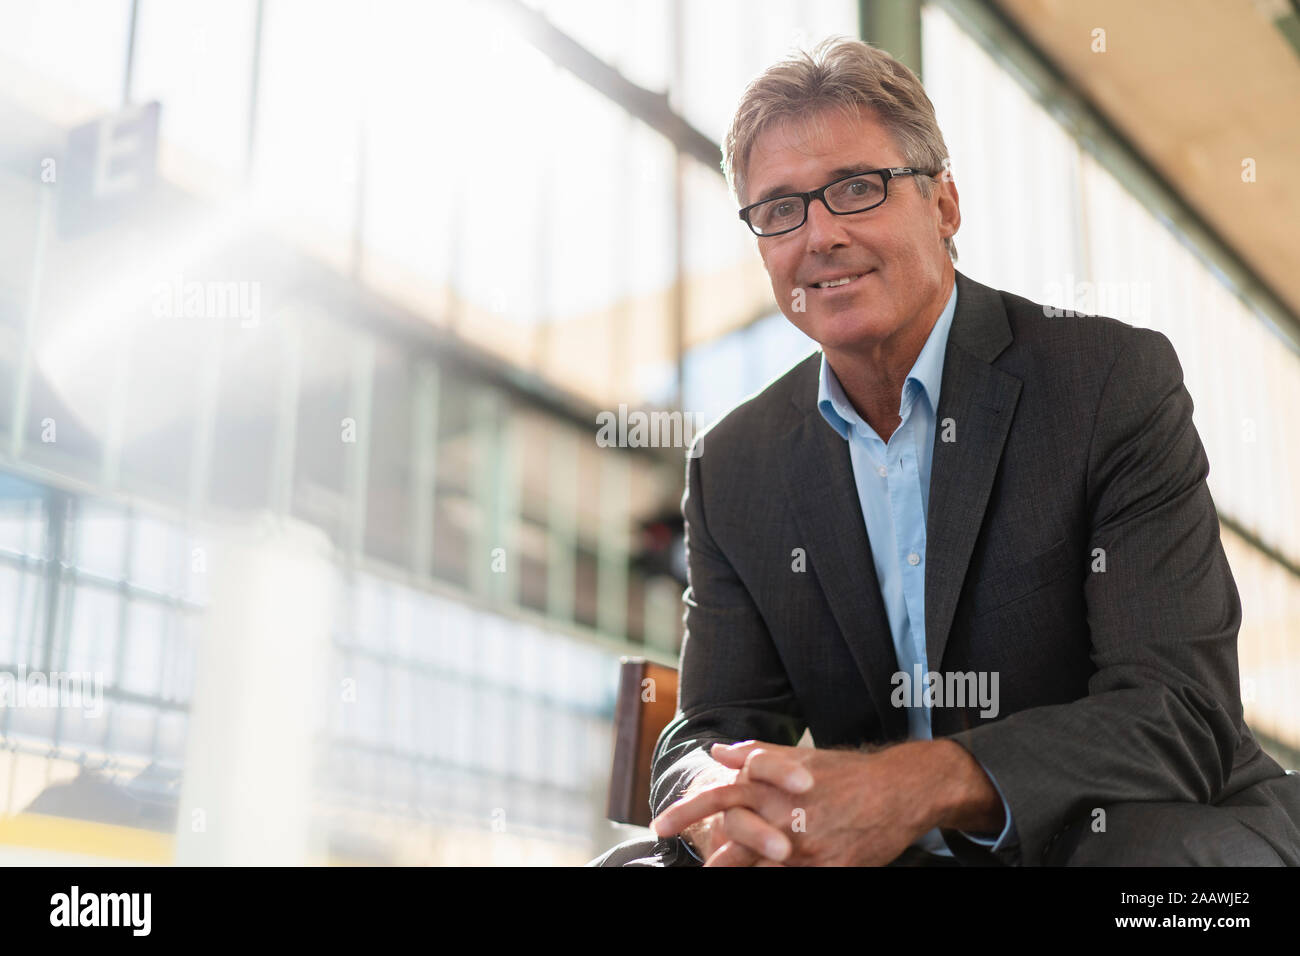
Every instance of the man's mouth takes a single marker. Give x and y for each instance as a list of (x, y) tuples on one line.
[(842, 281)]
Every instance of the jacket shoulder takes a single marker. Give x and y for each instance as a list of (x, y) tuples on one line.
[(1075, 340)]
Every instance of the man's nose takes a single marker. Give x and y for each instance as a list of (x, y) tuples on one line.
[(824, 230)]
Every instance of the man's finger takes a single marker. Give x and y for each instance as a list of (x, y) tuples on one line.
[(728, 756), (700, 805), (746, 827), (739, 747), (767, 766), (733, 854)]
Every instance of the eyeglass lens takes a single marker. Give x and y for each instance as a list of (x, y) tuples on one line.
[(849, 195)]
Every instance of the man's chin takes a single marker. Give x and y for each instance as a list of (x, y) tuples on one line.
[(845, 332)]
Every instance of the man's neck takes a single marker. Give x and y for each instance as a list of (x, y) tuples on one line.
[(873, 377)]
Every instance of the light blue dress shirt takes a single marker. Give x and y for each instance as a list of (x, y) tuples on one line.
[(893, 481)]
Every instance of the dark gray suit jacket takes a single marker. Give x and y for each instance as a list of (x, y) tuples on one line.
[(1071, 434)]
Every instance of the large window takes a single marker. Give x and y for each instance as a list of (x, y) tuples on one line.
[(1063, 230)]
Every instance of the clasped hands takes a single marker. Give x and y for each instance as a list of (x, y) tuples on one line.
[(798, 806)]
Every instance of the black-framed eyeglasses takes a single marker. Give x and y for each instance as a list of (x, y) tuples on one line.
[(857, 192)]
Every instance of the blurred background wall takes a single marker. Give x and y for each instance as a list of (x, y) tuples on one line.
[(309, 312)]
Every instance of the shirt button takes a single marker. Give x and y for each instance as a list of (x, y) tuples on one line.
[(913, 559), (882, 471)]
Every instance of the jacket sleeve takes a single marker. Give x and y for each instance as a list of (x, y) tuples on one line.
[(1162, 715), (732, 685)]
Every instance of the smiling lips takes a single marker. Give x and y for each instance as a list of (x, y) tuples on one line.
[(839, 282)]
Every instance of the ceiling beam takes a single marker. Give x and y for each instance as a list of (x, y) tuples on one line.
[(646, 105)]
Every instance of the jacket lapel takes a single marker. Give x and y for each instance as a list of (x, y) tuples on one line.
[(824, 498), (980, 401)]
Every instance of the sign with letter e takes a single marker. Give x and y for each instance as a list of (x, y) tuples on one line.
[(110, 162)]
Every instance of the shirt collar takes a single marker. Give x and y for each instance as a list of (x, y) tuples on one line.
[(926, 376)]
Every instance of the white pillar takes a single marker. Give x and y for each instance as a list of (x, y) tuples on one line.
[(259, 698)]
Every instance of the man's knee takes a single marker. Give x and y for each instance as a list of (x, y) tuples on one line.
[(1161, 834), (646, 853)]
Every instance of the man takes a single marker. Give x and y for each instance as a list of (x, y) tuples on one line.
[(969, 547)]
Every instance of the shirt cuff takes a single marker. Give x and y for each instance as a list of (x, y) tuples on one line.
[(1008, 836), (685, 784), (690, 849)]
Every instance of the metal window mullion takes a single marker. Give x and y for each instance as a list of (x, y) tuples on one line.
[(23, 380), (25, 576), (201, 444), (110, 467), (388, 670), (612, 547), (483, 535), (562, 518), (476, 710), (55, 550), (360, 405), (507, 584), (356, 256), (677, 304), (544, 251), (123, 629), (1083, 234), (286, 418), (169, 635), (59, 615), (254, 89), (424, 478), (201, 441), (32, 573), (894, 26), (128, 71)]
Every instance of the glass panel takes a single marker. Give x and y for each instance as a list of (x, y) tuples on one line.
[(100, 537), (93, 633), (388, 496), (143, 648)]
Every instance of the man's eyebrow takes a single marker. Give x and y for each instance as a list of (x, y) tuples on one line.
[(785, 188)]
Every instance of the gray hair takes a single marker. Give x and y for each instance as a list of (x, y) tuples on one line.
[(843, 75)]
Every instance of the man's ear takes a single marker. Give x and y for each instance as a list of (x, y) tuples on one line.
[(949, 205)]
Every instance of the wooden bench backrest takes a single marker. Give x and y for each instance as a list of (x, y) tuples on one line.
[(647, 700)]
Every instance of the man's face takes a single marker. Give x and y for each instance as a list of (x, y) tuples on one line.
[(897, 247)]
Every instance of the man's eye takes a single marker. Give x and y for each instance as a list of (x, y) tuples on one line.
[(783, 209)]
